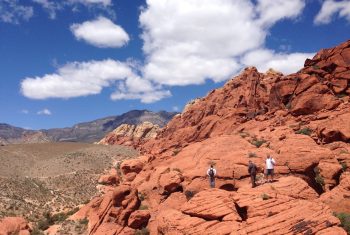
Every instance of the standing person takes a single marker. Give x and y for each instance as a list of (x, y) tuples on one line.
[(252, 169), (270, 165), (211, 172)]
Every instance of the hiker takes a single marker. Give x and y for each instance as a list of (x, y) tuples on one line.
[(252, 169), (211, 172), (270, 165)]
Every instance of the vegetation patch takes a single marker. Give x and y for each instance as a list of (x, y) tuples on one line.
[(143, 231), (141, 196), (143, 207), (318, 178), (244, 134), (189, 194), (252, 155), (258, 142), (176, 151), (304, 131), (264, 196), (344, 220)]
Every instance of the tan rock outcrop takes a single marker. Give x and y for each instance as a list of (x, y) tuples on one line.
[(131, 135)]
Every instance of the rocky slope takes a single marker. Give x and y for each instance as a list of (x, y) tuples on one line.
[(83, 132), (301, 119), (131, 135)]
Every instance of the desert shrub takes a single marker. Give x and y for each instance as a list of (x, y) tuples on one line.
[(264, 196), (341, 95), (344, 166), (189, 194), (344, 220), (84, 221), (143, 207), (304, 131), (177, 169), (59, 217), (252, 155), (43, 224), (37, 231), (176, 151), (258, 142), (244, 134), (143, 231), (344, 151), (141, 196), (318, 178)]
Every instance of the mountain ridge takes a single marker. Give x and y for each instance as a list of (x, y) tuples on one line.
[(89, 131)]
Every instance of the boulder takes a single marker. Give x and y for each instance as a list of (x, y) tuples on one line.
[(131, 165), (170, 181), (139, 219), (212, 204)]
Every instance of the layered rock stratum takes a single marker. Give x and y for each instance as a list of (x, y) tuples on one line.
[(131, 135)]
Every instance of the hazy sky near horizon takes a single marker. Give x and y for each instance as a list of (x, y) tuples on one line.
[(69, 61)]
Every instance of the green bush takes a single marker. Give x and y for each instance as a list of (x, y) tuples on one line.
[(143, 231), (264, 196), (141, 196), (36, 231), (304, 131), (252, 155), (189, 194), (84, 221), (318, 178), (44, 224), (143, 207), (344, 166), (257, 142), (344, 220), (176, 151)]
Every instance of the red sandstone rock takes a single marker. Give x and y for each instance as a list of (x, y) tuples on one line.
[(132, 165), (14, 225), (139, 219), (170, 181)]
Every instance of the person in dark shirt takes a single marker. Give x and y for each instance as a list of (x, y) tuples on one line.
[(252, 169)]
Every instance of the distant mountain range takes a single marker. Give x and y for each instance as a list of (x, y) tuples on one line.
[(82, 132)]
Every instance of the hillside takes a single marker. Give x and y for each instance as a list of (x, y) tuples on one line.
[(88, 132), (52, 177), (301, 119)]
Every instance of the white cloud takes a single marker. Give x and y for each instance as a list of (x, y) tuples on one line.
[(52, 6), (265, 59), (49, 6), (25, 111), (175, 108), (13, 12), (89, 78), (100, 32), (92, 2), (44, 112), (331, 8), (188, 42), (271, 11)]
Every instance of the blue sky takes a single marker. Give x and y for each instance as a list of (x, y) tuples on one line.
[(64, 62)]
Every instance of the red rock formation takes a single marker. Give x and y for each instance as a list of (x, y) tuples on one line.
[(14, 225), (301, 119)]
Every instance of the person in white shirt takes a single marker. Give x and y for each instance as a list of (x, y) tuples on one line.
[(270, 166), (211, 172)]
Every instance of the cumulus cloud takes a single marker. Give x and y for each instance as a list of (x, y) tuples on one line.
[(11, 11), (188, 42), (184, 42), (100, 32), (89, 78), (44, 112), (330, 8), (265, 59), (271, 11)]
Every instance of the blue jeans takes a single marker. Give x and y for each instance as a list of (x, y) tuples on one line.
[(212, 183)]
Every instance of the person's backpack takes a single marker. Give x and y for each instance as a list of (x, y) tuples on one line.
[(211, 173)]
